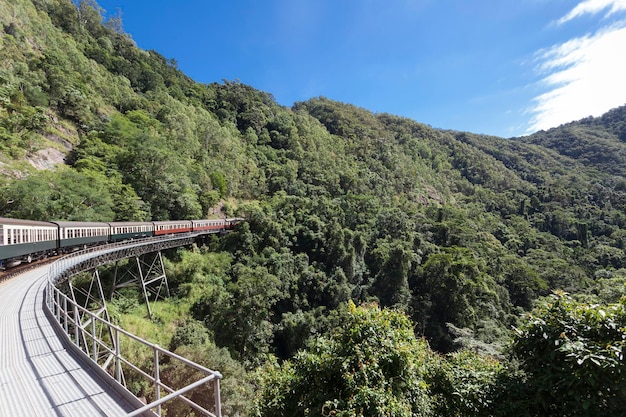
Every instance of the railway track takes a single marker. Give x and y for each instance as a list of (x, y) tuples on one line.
[(12, 272)]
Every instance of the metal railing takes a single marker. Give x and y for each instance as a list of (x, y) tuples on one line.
[(102, 341)]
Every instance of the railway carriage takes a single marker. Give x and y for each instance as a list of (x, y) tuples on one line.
[(232, 222), (214, 224), (171, 227), (131, 230), (25, 240), (77, 235)]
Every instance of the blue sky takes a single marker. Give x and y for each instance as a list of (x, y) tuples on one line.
[(500, 67)]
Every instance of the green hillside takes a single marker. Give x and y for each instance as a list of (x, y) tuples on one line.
[(454, 235)]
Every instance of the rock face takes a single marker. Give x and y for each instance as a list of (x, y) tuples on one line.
[(46, 158)]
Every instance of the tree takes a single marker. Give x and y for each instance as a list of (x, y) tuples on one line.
[(372, 365), (452, 289), (573, 357)]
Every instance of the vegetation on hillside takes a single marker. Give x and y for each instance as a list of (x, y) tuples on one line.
[(382, 261)]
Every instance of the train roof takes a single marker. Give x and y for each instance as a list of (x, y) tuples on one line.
[(114, 224), (81, 224), (6, 220), (172, 221), (208, 220)]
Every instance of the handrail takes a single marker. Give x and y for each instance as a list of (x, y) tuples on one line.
[(67, 313)]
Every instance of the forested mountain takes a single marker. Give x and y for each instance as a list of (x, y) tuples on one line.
[(454, 235)]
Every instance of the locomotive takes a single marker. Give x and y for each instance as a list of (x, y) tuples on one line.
[(25, 241)]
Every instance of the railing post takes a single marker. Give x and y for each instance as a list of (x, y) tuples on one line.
[(94, 347), (218, 398), (65, 314), (77, 326), (118, 354), (62, 310), (157, 378)]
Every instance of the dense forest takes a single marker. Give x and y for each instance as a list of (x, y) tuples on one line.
[(385, 268)]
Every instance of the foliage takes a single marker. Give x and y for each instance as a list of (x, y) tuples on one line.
[(461, 232), (371, 366), (466, 384), (572, 354)]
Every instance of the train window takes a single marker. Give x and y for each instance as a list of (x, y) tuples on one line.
[(2, 242)]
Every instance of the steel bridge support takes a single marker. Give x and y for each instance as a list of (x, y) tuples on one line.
[(145, 271), (95, 339)]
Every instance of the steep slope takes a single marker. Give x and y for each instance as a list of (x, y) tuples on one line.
[(462, 231), (595, 142)]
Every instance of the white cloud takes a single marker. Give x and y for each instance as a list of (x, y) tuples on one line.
[(583, 76), (593, 7)]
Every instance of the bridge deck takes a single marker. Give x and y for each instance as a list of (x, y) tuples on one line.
[(39, 374)]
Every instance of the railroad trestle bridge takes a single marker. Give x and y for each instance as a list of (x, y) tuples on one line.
[(80, 316)]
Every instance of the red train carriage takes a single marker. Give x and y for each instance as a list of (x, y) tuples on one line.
[(203, 225), (171, 227)]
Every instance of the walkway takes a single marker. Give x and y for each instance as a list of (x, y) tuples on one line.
[(39, 374)]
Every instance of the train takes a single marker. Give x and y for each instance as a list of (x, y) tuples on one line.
[(26, 241)]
